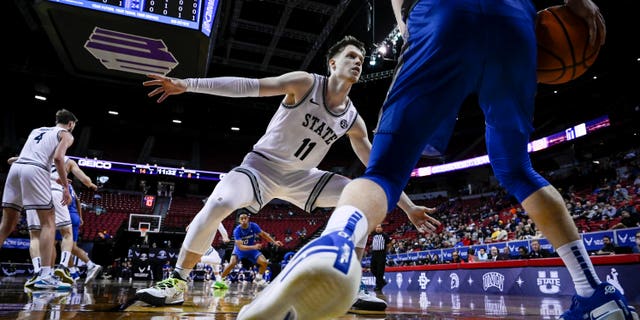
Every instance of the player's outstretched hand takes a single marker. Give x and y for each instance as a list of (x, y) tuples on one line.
[(419, 216), (165, 86)]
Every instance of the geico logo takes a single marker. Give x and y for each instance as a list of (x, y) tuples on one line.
[(94, 164)]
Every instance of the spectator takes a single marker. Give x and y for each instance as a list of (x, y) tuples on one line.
[(608, 247), (627, 221), (522, 253), (505, 254), (482, 255), (636, 248), (620, 193), (537, 251), (493, 254), (455, 257), (471, 255)]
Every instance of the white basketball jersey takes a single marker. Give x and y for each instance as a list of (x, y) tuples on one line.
[(40, 147), (299, 136), (55, 175)]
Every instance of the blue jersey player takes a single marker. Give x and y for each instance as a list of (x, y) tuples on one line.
[(245, 235)]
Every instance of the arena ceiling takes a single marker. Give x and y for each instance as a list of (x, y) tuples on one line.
[(257, 38)]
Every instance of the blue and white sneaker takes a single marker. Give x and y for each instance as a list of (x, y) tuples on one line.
[(320, 282), (607, 303), (51, 282)]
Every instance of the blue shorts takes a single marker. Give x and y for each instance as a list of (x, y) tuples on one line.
[(251, 255), (75, 226), (454, 49)]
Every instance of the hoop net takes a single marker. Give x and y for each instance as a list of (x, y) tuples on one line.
[(143, 231)]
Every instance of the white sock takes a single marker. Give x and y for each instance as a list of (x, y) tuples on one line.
[(90, 264), (64, 258), (218, 278), (577, 260), (349, 219), (36, 264), (46, 271), (258, 276)]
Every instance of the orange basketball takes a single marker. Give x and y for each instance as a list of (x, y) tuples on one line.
[(564, 52)]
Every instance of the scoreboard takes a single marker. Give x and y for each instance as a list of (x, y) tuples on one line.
[(147, 169), (122, 40)]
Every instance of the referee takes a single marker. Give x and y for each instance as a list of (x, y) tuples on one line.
[(379, 244)]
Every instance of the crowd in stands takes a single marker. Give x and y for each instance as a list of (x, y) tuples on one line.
[(598, 196)]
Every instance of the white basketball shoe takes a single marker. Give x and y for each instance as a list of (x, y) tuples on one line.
[(320, 282)]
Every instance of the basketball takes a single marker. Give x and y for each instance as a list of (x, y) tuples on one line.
[(564, 52)]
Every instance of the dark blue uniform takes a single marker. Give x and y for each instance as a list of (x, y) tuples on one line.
[(456, 48)]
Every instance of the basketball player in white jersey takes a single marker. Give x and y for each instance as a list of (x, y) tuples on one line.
[(66, 226), (315, 112), (28, 187)]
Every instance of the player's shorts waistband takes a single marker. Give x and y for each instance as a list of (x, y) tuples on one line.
[(32, 163)]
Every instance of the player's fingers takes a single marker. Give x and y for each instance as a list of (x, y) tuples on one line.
[(150, 83), (155, 91), (433, 220)]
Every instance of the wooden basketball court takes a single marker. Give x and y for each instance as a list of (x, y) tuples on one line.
[(112, 299)]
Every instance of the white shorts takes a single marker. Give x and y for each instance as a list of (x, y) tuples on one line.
[(307, 189), (63, 218), (28, 186)]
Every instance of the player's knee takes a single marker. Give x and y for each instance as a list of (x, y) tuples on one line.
[(521, 181)]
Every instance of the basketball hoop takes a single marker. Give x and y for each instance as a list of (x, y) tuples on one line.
[(143, 231)]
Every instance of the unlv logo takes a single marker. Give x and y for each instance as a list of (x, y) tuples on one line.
[(548, 285)]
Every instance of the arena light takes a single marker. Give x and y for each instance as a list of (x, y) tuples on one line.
[(568, 134)]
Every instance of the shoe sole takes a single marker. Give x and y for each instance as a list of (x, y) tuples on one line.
[(306, 287), (155, 301), (364, 305)]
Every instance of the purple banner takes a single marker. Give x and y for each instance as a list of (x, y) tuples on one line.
[(530, 281)]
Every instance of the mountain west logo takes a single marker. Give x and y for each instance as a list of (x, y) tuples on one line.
[(130, 53), (455, 281), (548, 285), (493, 279)]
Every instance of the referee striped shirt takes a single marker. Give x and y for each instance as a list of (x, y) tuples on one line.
[(379, 242)]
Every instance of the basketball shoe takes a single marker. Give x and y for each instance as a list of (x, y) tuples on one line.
[(220, 285), (92, 273), (368, 301), (51, 282), (169, 291), (320, 282), (64, 275), (607, 303), (31, 281)]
